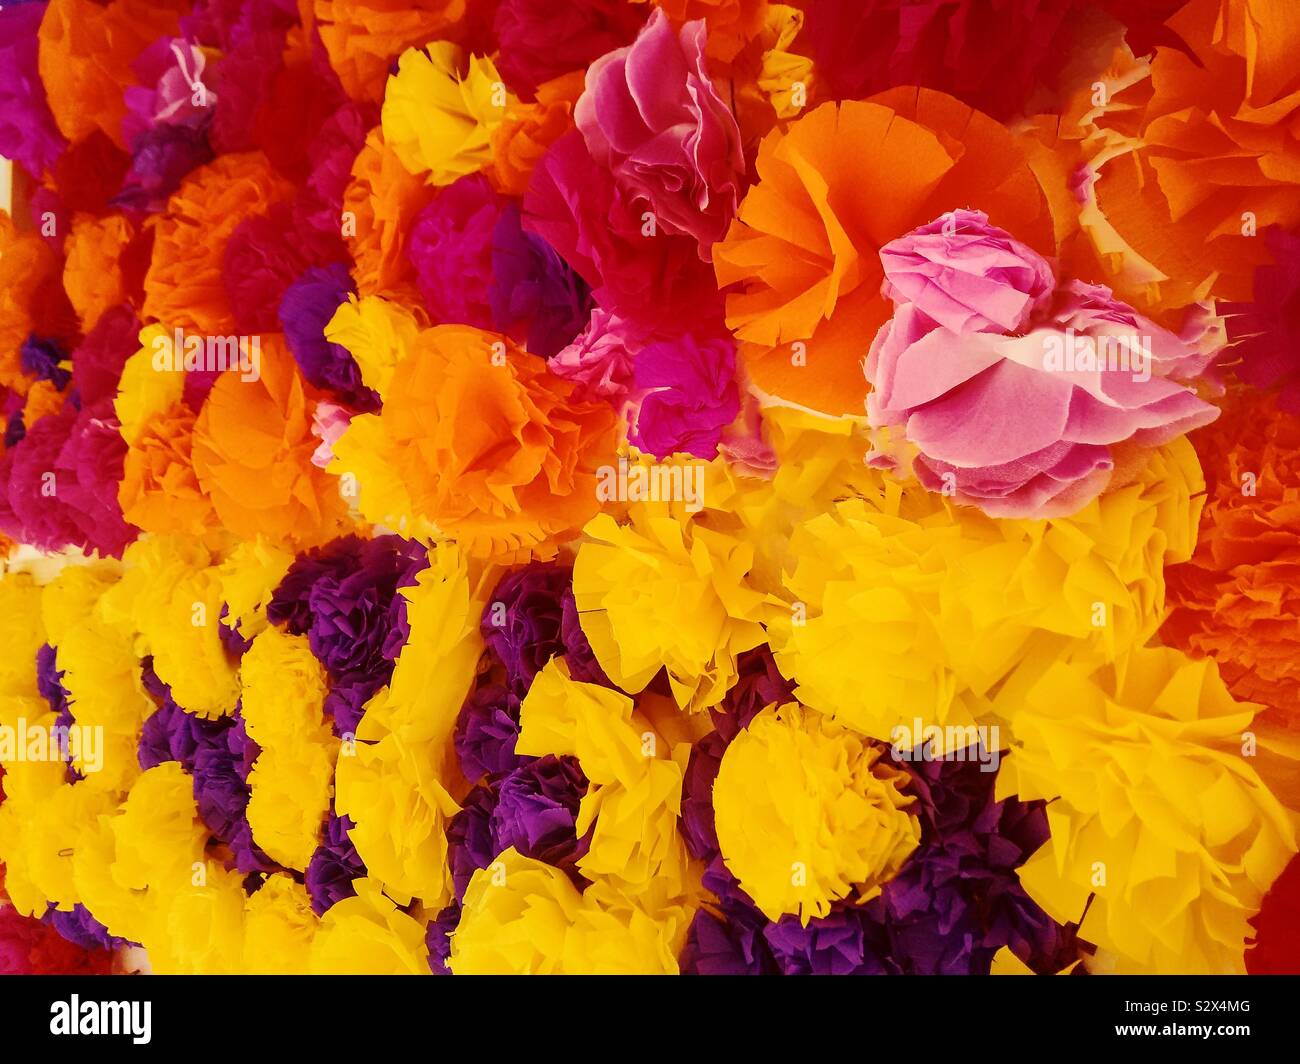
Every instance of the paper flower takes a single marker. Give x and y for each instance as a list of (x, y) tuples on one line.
[(27, 131), (681, 153), (440, 111), (689, 395), (808, 814), (1167, 881), (527, 129), (1081, 377), (839, 183), (307, 307), (451, 250), (1231, 600), (539, 42), (517, 455), (1264, 333)]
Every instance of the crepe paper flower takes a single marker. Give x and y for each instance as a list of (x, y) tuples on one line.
[(536, 810), (159, 490), (614, 243), (539, 43), (731, 23), (368, 934), (25, 264), (334, 866), (540, 484), (377, 333), (279, 928), (282, 689), (1092, 375), (61, 483), (486, 730), (689, 395), (28, 133), (34, 947), (78, 927), (1153, 194), (363, 39), (535, 297), (184, 286), (100, 357), (440, 110), (328, 423), (839, 183), (41, 358), (520, 916), (1168, 881), (307, 307), (170, 596), (893, 586), (1264, 332), (680, 153), (450, 248), (527, 129), (777, 844), (522, 625), (601, 357), (391, 785), (1231, 601), (1275, 949), (691, 580), (631, 808), (92, 271), (86, 53), (248, 575), (469, 837), (379, 206), (330, 156), (252, 454)]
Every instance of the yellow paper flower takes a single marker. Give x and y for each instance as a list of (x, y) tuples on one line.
[(147, 389), (1155, 814), (21, 633), (249, 576), (523, 917), (394, 783), (439, 111), (664, 592), (170, 595), (279, 927), (634, 800), (368, 935), (807, 814), (200, 929), (935, 605), (282, 694), (378, 333)]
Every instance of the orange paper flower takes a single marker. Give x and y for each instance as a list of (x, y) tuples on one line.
[(26, 263), (1238, 598), (488, 445), (160, 491), (86, 52), (840, 182), (379, 208), (92, 272), (183, 287), (252, 455)]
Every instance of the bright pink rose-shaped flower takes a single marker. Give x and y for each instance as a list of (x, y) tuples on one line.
[(690, 395), (600, 358), (652, 116), (1019, 421)]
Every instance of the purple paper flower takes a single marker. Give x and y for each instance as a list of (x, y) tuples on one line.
[(536, 810), (80, 928), (486, 731), (333, 866), (523, 620), (578, 654), (41, 358), (437, 937), (307, 307), (534, 296), (691, 395), (48, 677), (469, 837)]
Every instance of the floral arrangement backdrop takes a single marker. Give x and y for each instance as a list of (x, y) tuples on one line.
[(704, 486)]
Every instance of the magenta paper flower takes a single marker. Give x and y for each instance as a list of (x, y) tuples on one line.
[(1019, 423), (652, 116)]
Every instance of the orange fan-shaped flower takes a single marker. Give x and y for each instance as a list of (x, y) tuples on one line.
[(832, 188), (160, 491), (252, 454)]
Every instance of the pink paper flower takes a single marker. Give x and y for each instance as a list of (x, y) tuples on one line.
[(652, 116), (1019, 421), (688, 395), (600, 358)]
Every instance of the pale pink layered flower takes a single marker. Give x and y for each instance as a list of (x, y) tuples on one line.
[(328, 423), (652, 116), (601, 358), (1020, 421)]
